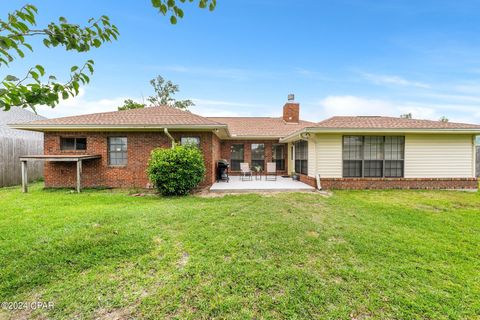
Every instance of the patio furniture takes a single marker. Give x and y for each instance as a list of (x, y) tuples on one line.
[(271, 173), (246, 172)]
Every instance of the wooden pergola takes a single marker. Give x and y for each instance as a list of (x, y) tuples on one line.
[(56, 158)]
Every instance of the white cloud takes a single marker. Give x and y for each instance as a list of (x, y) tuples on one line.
[(355, 106), (81, 105), (382, 79)]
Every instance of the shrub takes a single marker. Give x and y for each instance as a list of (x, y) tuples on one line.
[(176, 171)]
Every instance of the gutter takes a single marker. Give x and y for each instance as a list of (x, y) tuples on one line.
[(165, 130), (66, 127), (374, 130)]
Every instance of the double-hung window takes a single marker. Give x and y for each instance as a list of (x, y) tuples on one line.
[(117, 151), (373, 156), (236, 156), (301, 157), (394, 157), (278, 156), (352, 156), (258, 155)]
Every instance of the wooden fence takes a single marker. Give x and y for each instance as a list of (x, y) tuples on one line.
[(11, 148)]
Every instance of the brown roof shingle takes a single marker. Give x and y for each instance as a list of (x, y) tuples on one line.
[(376, 122), (161, 115), (260, 126)]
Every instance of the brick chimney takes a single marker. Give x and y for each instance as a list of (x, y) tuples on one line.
[(291, 110)]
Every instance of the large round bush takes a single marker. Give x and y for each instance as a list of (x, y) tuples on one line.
[(176, 171)]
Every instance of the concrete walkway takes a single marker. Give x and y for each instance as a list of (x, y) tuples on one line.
[(282, 184)]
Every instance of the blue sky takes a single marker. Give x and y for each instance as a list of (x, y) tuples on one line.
[(339, 57)]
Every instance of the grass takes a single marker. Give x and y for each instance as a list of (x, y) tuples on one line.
[(356, 255)]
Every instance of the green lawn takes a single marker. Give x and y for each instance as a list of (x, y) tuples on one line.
[(355, 255)]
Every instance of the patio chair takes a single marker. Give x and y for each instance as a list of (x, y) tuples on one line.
[(271, 173), (246, 172)]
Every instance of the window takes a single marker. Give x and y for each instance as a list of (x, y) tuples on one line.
[(190, 141), (236, 156), (352, 156), (373, 156), (301, 157), (258, 155), (278, 156), (394, 156), (117, 151), (73, 144)]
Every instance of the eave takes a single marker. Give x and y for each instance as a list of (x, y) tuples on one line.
[(297, 135), (129, 127)]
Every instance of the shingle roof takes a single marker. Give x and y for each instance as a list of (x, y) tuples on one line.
[(375, 122), (162, 115), (260, 126)]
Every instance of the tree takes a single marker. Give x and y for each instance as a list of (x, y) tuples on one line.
[(32, 89), (443, 119), (406, 115), (130, 104), (164, 91)]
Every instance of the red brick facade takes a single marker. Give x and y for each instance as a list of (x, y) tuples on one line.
[(98, 172), (396, 183)]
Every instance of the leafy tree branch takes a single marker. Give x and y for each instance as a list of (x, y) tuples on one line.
[(21, 25)]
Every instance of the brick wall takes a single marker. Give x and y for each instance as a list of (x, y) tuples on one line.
[(98, 172), (403, 183), (247, 152), (291, 112)]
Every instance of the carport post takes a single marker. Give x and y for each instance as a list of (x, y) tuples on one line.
[(79, 174), (24, 176)]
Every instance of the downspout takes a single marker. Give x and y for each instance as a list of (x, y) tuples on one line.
[(165, 130)]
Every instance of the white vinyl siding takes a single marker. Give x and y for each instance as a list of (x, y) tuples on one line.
[(312, 155), (439, 156), (328, 155)]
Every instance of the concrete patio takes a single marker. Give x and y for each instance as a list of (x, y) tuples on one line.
[(281, 184)]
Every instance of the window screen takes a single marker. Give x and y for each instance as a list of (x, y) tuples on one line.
[(236, 156), (258, 155), (301, 157), (352, 156), (117, 151), (373, 156), (190, 141), (394, 156), (73, 143), (278, 155)]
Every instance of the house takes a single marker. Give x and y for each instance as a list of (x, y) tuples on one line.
[(14, 143), (340, 152)]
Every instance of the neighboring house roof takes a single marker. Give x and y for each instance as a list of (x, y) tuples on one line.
[(261, 127), (377, 122), (150, 116), (17, 115)]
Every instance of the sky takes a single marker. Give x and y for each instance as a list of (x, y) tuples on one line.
[(339, 57)]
